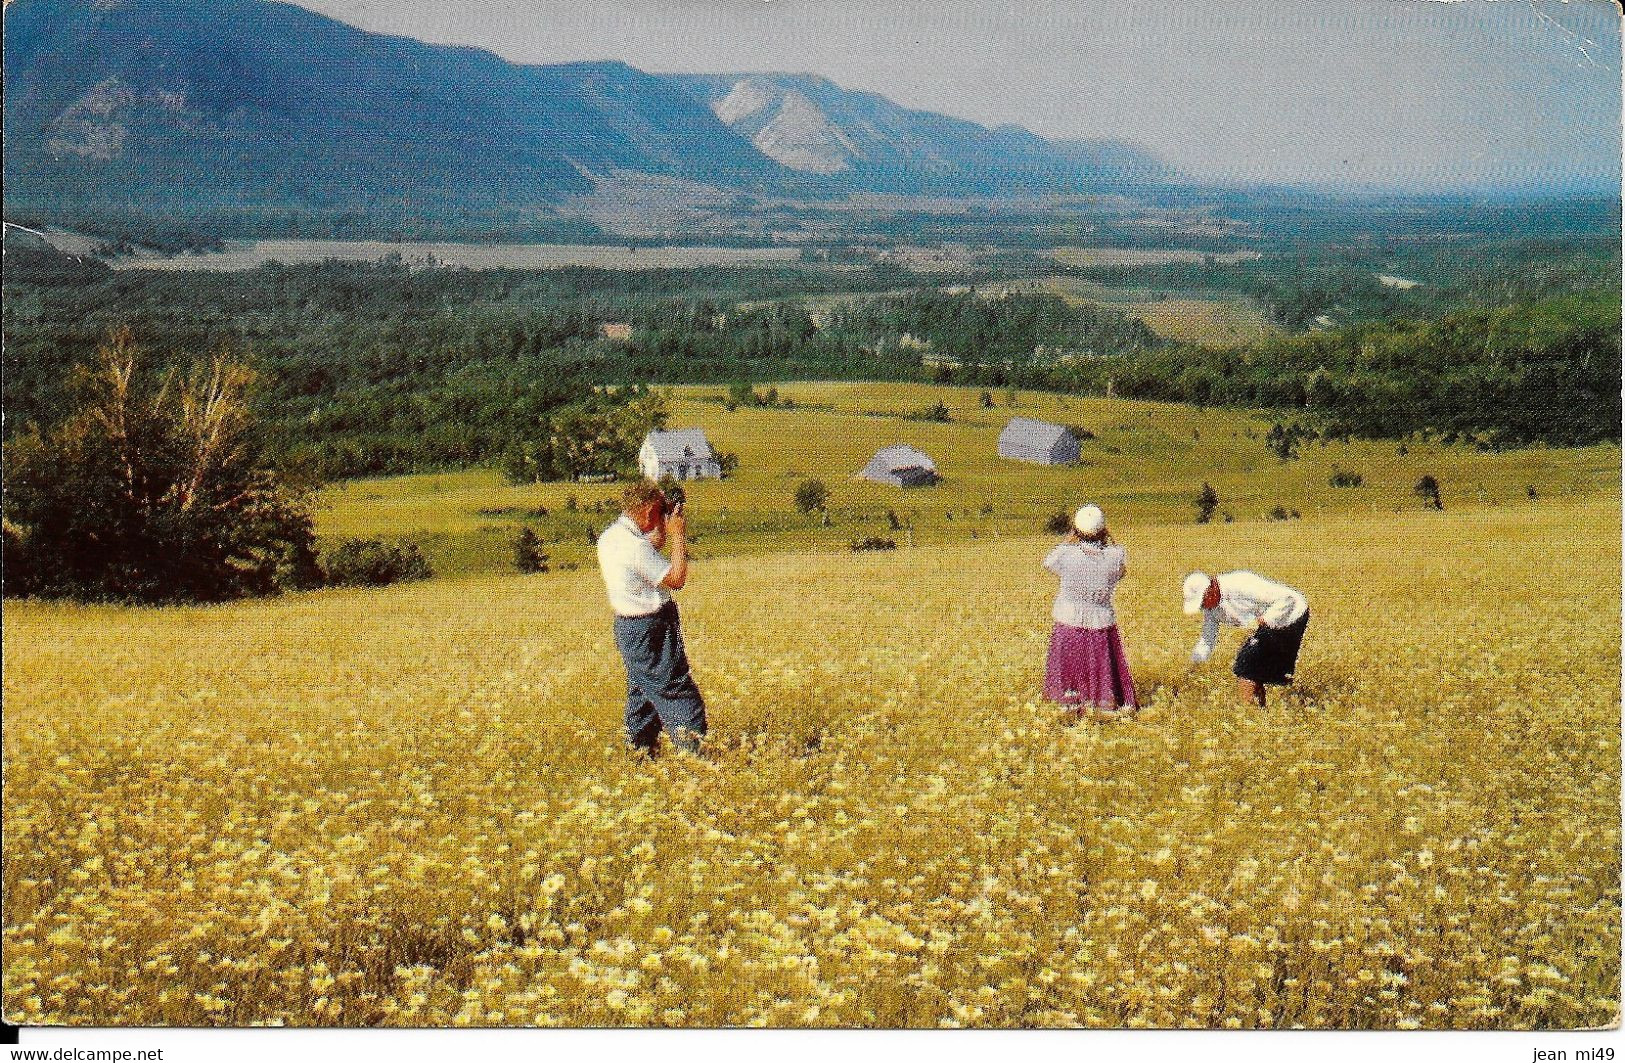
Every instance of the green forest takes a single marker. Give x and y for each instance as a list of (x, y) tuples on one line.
[(1535, 371), (381, 368)]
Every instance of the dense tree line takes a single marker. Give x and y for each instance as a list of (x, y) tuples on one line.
[(969, 328), (1536, 371), (598, 436), (1344, 284), (371, 369), (894, 336)]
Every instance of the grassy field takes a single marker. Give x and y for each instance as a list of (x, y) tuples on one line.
[(1210, 318), (1214, 322), (409, 806), (249, 254), (1145, 468), (1117, 256)]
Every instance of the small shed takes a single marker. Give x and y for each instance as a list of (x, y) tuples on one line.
[(1025, 439), (681, 454), (901, 466)]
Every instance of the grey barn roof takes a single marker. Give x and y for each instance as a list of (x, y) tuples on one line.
[(1027, 432), (1025, 439), (893, 458), (901, 466), (680, 444)]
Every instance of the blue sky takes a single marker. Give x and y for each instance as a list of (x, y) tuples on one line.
[(1415, 93)]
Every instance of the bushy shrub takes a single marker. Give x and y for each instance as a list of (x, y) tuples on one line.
[(528, 554), (1345, 478), (1427, 489), (1283, 440), (154, 491), (743, 394), (1207, 501), (1058, 523), (375, 563), (811, 496)]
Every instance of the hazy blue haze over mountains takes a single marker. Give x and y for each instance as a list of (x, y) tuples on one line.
[(154, 105)]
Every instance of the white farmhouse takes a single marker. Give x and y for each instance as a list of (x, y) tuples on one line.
[(680, 454)]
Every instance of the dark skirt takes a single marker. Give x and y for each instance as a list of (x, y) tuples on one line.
[(1270, 654), (1088, 668)]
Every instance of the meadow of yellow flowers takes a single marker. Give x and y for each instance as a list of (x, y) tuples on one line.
[(411, 806)]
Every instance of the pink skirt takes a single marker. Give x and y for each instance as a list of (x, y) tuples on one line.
[(1087, 667)]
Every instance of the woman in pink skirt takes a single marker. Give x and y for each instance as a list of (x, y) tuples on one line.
[(1087, 666)]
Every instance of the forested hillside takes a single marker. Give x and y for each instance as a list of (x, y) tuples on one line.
[(383, 368), (1542, 370)]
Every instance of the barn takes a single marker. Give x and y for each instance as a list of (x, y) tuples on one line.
[(679, 454), (1025, 439), (901, 466)]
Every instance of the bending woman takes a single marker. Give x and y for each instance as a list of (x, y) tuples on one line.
[(1088, 668)]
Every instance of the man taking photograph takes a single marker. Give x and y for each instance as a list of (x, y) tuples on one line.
[(661, 693)]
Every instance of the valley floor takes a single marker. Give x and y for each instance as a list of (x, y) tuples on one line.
[(1145, 466)]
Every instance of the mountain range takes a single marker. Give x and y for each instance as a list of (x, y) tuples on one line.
[(810, 124), (155, 105)]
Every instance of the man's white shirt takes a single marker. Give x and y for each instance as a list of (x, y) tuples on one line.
[(1245, 597), (632, 569)]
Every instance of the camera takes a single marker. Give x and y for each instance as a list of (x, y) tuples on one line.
[(675, 499)]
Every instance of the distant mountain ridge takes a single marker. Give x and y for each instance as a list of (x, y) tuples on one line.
[(808, 123), (190, 104), (257, 102)]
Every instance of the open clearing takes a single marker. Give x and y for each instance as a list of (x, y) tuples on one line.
[(409, 806), (1145, 466), (1215, 322), (1136, 256)]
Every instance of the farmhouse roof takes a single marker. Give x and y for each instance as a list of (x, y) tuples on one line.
[(1024, 431), (679, 444)]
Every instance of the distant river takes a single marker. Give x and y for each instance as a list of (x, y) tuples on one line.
[(247, 254)]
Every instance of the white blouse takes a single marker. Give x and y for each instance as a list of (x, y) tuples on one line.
[(1089, 574), (1245, 597)]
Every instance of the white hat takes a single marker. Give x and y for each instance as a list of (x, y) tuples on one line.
[(1196, 585), (1089, 520)]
